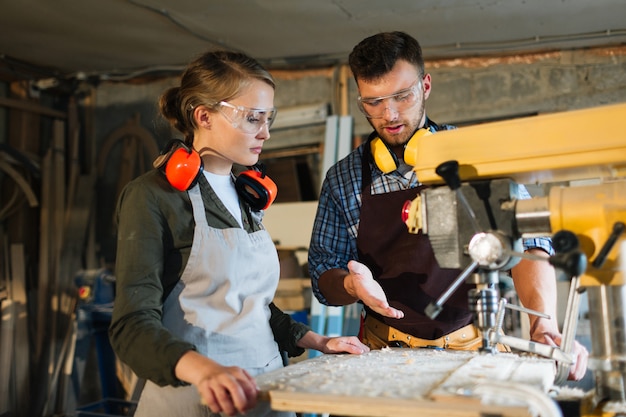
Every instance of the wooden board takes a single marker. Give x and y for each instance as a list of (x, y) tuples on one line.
[(392, 382), (7, 324), (293, 294), (21, 359)]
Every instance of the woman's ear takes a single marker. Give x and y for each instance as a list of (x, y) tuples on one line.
[(202, 117)]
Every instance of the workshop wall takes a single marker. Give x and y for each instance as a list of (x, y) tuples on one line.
[(464, 91), (503, 87)]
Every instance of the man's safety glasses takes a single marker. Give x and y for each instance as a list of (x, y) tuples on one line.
[(400, 101), (247, 119)]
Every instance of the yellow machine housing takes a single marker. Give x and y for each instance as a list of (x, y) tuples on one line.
[(573, 145), (561, 149)]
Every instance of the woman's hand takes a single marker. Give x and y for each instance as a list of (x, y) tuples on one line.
[(228, 389), (344, 344), (326, 344), (224, 389)]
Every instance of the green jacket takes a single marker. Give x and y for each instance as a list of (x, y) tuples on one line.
[(155, 233)]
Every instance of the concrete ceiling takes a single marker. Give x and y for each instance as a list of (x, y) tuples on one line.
[(119, 38)]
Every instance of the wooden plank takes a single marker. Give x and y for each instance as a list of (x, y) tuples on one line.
[(73, 129), (7, 308), (29, 106), (329, 156), (57, 217), (45, 265), (59, 181), (21, 359), (293, 285), (69, 390), (43, 334), (504, 368), (55, 399), (77, 218), (7, 324), (293, 294), (344, 137), (77, 212), (384, 407), (89, 105), (391, 382)]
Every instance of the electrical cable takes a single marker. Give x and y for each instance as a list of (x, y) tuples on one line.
[(512, 44)]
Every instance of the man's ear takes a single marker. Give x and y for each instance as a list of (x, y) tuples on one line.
[(426, 85), (202, 117)]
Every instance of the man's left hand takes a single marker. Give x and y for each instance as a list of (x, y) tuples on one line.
[(579, 353)]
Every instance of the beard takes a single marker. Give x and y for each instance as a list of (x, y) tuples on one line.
[(411, 124)]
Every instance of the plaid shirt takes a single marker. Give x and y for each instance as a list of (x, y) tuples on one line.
[(334, 238)]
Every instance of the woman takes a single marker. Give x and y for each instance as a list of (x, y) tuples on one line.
[(196, 271)]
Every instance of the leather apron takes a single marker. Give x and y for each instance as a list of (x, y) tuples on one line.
[(220, 304), (404, 264)]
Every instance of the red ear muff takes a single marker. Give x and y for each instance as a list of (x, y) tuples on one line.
[(183, 169), (256, 188), (183, 165)]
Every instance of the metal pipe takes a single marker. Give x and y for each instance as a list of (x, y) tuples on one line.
[(532, 217), (607, 319)]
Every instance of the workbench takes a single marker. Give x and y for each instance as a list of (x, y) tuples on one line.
[(399, 382)]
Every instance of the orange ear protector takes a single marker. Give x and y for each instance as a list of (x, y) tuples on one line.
[(256, 188), (183, 166), (387, 161)]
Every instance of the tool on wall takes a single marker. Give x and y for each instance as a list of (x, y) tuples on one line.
[(10, 160), (136, 143)]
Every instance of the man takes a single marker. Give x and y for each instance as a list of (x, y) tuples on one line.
[(360, 249)]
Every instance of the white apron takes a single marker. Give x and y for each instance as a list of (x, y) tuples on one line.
[(220, 305)]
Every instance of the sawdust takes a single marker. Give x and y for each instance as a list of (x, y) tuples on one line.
[(407, 373)]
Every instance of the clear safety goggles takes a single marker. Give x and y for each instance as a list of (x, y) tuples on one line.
[(400, 101), (247, 119)]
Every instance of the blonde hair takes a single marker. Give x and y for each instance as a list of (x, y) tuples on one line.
[(212, 77)]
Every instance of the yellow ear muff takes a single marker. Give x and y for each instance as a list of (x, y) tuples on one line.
[(386, 161), (410, 151)]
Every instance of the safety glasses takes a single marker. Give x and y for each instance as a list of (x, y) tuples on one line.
[(247, 119), (400, 101)]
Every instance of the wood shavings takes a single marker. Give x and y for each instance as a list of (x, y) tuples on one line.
[(404, 373), (392, 377)]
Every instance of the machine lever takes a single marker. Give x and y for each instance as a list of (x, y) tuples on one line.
[(569, 329), (560, 355), (527, 311), (534, 347), (618, 229), (432, 310), (449, 171), (496, 336)]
